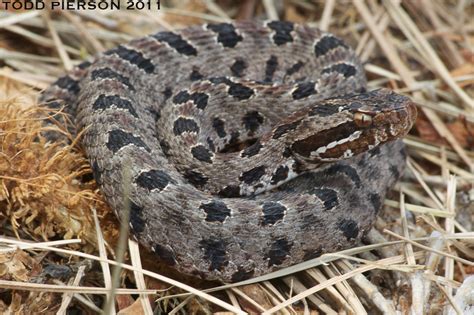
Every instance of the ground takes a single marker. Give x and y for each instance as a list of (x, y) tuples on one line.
[(59, 239)]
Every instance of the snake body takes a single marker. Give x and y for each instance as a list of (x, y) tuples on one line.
[(251, 146)]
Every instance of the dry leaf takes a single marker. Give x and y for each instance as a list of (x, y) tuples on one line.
[(426, 131), (463, 131), (135, 309), (16, 265), (126, 304)]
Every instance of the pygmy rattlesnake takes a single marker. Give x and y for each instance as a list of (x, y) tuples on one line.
[(252, 146)]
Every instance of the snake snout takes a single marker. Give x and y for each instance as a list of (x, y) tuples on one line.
[(405, 116), (396, 122)]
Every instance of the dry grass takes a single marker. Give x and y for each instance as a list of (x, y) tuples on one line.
[(56, 257)]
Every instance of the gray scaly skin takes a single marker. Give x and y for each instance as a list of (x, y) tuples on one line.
[(251, 146)]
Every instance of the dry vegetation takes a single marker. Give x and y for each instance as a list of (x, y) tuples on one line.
[(55, 256)]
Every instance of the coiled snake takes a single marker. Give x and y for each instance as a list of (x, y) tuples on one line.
[(251, 146)]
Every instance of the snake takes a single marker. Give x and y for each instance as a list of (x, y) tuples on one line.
[(249, 146)]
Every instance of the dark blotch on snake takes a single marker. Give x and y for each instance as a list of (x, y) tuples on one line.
[(324, 110), (280, 174), (312, 254), (362, 163), (181, 97), (238, 67), (211, 145), (218, 125), (347, 170), (83, 65), (107, 101), (226, 34), (195, 178), (375, 151), (303, 90), (270, 68), (283, 129), (200, 99), (216, 211), (154, 179), (376, 202), (54, 104), (166, 255), (165, 147), (349, 228), (342, 68), (236, 90), (167, 93), (68, 83), (253, 175), (136, 219), (242, 274), (234, 137), (201, 153), (177, 42), (229, 192), (107, 73), (272, 213), (134, 57), (297, 167), (215, 253), (96, 171), (252, 120), (252, 149), (394, 170), (240, 91), (119, 139), (403, 152), (294, 68), (195, 75), (286, 152), (155, 112), (326, 44), (327, 196), (182, 125), (279, 251), (354, 106), (282, 31)]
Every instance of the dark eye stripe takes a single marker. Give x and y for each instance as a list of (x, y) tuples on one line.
[(305, 146)]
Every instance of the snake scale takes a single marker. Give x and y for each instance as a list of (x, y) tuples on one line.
[(251, 145)]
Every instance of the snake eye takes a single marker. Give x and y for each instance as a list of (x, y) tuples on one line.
[(362, 119)]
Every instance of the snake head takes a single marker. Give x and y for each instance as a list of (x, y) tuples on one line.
[(343, 127)]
